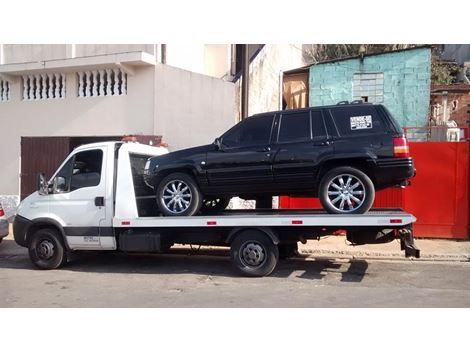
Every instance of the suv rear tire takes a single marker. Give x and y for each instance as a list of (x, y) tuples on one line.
[(178, 195), (346, 190)]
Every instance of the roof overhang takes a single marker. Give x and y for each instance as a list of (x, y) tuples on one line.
[(125, 61)]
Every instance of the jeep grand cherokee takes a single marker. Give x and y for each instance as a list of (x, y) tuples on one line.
[(341, 153)]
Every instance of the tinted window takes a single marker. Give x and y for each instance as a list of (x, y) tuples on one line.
[(295, 127), (318, 126), (252, 131), (357, 120)]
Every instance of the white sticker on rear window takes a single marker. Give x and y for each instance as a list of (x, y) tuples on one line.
[(361, 122)]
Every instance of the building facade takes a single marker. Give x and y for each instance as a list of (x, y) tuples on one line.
[(105, 90), (399, 79)]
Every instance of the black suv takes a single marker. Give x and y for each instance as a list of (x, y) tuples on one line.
[(340, 153)]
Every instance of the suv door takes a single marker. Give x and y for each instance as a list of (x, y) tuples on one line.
[(301, 144), (244, 158), (78, 199)]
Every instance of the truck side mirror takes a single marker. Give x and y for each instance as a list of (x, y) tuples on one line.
[(42, 185), (59, 185)]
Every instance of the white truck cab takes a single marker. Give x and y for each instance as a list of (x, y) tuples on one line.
[(98, 200), (79, 199)]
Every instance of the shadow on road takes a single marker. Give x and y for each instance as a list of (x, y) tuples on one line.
[(215, 262)]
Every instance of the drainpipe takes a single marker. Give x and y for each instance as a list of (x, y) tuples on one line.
[(245, 81), (445, 115), (163, 57)]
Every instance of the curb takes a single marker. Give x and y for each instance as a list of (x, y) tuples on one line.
[(381, 255)]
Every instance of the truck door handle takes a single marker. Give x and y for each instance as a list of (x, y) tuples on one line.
[(265, 149), (99, 201)]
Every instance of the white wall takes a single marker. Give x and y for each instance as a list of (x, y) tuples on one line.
[(72, 116), (266, 75), (191, 109)]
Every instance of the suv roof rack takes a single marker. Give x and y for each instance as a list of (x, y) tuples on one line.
[(342, 102)]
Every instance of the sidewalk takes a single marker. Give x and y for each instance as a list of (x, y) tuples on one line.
[(431, 249)]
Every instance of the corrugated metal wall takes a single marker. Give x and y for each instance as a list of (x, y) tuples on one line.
[(40, 154)]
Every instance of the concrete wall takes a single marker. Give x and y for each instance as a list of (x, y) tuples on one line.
[(407, 81), (266, 75), (72, 116), (191, 109)]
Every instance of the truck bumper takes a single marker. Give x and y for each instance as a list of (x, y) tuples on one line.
[(21, 226)]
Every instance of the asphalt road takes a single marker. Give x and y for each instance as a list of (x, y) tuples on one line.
[(182, 279)]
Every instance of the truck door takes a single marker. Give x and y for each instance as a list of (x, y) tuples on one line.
[(78, 200)]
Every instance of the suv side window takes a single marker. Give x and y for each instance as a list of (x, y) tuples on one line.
[(250, 132), (295, 127), (318, 126), (82, 170), (358, 120)]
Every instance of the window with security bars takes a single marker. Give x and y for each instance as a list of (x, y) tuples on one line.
[(105, 82), (44, 86), (368, 87), (4, 90)]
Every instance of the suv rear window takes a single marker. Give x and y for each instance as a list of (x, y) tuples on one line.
[(358, 120)]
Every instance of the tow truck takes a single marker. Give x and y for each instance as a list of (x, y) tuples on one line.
[(98, 200)]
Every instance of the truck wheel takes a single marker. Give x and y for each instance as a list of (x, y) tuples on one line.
[(46, 250), (214, 205), (254, 254), (346, 190), (178, 195)]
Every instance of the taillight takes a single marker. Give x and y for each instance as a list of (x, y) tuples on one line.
[(2, 213), (400, 147)]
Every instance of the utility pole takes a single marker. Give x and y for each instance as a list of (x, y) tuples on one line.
[(245, 81)]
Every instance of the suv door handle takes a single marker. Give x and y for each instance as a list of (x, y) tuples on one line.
[(265, 149), (99, 201), (323, 144)]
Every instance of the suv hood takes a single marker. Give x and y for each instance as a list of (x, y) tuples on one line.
[(184, 153)]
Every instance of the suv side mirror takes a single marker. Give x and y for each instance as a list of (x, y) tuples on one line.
[(59, 185), (42, 185), (218, 143)]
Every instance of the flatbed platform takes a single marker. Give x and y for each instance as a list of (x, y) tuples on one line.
[(276, 217)]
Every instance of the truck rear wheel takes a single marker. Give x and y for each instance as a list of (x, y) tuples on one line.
[(178, 195), (46, 250), (254, 254)]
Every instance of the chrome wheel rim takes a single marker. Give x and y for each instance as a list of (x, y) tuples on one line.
[(252, 254), (45, 249), (176, 196), (346, 193)]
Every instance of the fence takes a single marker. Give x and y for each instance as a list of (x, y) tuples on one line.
[(438, 195)]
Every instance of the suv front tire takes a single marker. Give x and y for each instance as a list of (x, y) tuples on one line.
[(178, 195), (346, 190)]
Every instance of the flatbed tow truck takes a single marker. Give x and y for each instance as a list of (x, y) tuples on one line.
[(97, 200)]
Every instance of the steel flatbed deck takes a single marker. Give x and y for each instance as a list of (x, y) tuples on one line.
[(276, 217)]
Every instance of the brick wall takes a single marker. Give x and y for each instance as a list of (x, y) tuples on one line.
[(458, 105), (406, 89)]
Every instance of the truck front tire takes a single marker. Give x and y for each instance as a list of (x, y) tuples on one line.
[(46, 249), (254, 254)]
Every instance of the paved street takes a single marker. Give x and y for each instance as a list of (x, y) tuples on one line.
[(186, 280)]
